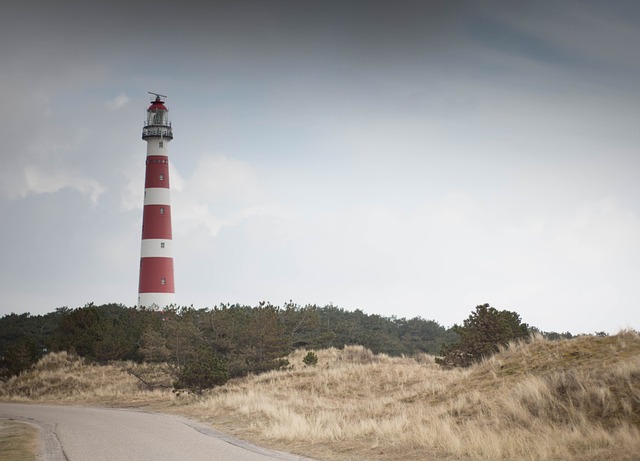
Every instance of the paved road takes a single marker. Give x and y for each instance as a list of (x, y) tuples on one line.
[(99, 434)]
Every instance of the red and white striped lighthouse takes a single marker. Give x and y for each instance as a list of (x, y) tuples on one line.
[(156, 288)]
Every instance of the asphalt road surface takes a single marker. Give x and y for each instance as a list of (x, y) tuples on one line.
[(100, 434)]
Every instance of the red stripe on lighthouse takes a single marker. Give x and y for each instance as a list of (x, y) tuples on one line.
[(157, 173), (156, 222), (158, 275)]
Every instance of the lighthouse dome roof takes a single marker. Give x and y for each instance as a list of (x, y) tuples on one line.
[(157, 105)]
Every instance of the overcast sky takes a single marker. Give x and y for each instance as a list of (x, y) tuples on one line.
[(407, 158)]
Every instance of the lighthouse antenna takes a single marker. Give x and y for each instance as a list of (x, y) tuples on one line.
[(157, 95)]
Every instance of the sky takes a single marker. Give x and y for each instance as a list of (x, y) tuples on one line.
[(406, 158)]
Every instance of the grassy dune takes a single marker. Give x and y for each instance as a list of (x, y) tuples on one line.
[(575, 399)]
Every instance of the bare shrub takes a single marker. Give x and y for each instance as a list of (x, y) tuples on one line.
[(58, 360), (357, 354)]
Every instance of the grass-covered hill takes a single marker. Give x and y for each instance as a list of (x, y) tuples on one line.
[(576, 399)]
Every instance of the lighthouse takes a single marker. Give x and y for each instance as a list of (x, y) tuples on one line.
[(156, 287)]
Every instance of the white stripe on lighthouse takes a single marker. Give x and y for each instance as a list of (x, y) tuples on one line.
[(156, 248), (157, 147), (157, 196), (156, 300)]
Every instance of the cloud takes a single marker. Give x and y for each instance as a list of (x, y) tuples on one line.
[(600, 234), (118, 102), (36, 180), (221, 192), (132, 197), (457, 251), (47, 147), (217, 178)]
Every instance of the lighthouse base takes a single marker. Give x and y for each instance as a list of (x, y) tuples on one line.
[(156, 300)]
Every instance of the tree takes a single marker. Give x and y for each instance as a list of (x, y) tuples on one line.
[(202, 371), (252, 340), (267, 342), (18, 357), (418, 335), (102, 333), (24, 338), (153, 347), (183, 337), (301, 324), (481, 335)]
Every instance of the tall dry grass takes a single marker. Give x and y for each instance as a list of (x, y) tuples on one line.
[(575, 399), (569, 400), (66, 378)]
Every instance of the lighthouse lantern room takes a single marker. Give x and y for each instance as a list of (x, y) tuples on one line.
[(156, 287)]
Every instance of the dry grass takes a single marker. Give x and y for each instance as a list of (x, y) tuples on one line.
[(576, 399), (18, 441), (64, 378)]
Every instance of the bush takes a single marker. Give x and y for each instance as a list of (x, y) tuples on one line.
[(311, 359), (202, 371), (481, 335)]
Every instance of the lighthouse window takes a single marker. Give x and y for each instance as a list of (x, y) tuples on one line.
[(161, 144), (161, 210), (161, 177), (163, 281), (161, 244)]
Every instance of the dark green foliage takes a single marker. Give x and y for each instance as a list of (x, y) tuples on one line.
[(426, 336), (103, 333), (180, 333), (23, 340), (252, 340), (481, 335), (311, 359), (18, 357), (153, 346), (337, 327), (202, 371), (248, 339), (301, 323)]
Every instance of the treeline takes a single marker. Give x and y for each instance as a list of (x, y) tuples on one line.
[(248, 339)]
